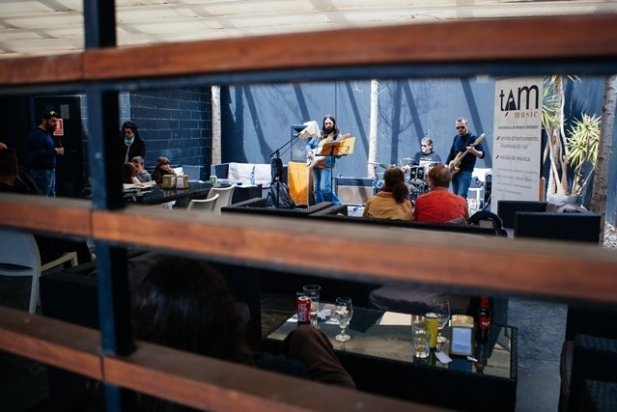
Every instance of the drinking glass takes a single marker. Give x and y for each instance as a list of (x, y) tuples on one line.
[(420, 337), (343, 311), (312, 291), (441, 306)]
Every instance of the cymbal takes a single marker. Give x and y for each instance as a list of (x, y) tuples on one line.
[(382, 165)]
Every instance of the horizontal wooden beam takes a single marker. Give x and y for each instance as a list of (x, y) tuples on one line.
[(61, 344), (211, 384), (367, 253), (557, 37), (178, 376), (42, 69), (57, 215), (452, 42)]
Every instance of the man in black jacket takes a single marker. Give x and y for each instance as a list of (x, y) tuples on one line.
[(462, 143)]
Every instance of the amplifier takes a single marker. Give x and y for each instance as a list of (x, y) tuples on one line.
[(354, 190)]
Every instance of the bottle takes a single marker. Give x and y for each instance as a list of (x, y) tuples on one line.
[(483, 320), (253, 176), (482, 357)]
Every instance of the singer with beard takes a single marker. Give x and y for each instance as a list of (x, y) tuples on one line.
[(322, 172), (42, 152)]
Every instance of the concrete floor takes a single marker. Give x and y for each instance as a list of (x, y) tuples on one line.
[(541, 326), (541, 332)]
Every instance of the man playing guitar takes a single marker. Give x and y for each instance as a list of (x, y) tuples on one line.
[(464, 142), (322, 171)]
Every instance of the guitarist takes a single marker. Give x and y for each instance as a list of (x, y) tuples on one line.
[(461, 178), (322, 172)]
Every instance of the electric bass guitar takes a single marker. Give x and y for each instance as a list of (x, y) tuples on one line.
[(454, 165)]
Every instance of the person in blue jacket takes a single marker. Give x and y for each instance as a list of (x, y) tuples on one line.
[(42, 152), (322, 169)]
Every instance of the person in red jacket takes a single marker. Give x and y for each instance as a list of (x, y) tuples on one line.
[(439, 205)]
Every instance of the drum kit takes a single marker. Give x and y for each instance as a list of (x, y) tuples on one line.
[(418, 176)]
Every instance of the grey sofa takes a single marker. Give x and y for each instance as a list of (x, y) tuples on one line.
[(544, 220)]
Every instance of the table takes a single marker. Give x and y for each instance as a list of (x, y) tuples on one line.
[(380, 359), (157, 195)]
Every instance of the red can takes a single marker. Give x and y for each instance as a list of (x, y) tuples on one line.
[(303, 305)]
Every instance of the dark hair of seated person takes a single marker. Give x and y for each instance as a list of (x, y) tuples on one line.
[(185, 304), (128, 172), (162, 168), (394, 181)]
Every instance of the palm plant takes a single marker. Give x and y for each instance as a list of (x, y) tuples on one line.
[(570, 149)]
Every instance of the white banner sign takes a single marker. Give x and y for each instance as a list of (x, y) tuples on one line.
[(517, 140)]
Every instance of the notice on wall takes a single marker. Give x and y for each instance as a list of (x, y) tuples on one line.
[(517, 139)]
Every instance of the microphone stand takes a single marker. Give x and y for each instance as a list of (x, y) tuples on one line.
[(278, 164)]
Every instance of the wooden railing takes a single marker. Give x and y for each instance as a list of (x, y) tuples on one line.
[(584, 44), (177, 376)]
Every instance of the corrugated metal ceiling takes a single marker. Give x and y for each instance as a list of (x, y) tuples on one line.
[(56, 26)]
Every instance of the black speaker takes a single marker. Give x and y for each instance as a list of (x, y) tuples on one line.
[(488, 185), (276, 169), (354, 191)]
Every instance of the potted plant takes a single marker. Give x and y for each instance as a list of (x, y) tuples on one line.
[(569, 151)]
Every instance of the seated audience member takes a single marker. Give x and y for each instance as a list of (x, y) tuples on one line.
[(392, 202), (142, 173), (162, 168), (439, 205), (129, 174), (185, 304)]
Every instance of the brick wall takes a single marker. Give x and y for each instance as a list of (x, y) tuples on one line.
[(174, 123)]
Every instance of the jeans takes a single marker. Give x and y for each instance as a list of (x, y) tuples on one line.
[(323, 186), (461, 182), (45, 181)]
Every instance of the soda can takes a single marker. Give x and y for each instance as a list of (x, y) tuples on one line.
[(303, 306), (432, 327)]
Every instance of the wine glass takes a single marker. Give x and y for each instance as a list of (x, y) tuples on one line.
[(343, 311), (441, 306)]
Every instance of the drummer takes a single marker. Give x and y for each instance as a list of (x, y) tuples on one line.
[(426, 156)]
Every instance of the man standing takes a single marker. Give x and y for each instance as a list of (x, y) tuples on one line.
[(462, 143), (322, 172), (426, 156), (439, 205), (42, 152)]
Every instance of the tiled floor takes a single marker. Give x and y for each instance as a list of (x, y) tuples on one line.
[(23, 383)]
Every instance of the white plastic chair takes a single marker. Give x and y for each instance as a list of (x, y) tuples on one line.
[(19, 256), (225, 196), (206, 205)]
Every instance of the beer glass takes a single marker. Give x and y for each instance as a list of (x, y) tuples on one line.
[(441, 306), (343, 311)]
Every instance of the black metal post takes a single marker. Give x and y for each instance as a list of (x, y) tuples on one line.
[(106, 182)]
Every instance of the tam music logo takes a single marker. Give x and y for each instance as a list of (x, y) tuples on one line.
[(524, 101)]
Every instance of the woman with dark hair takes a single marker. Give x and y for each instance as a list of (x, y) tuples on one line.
[(132, 144), (392, 202), (162, 168), (185, 304), (322, 171), (129, 174)]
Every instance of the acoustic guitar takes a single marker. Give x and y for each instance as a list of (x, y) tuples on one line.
[(454, 165), (311, 161)]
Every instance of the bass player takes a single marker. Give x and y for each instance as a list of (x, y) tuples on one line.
[(463, 142)]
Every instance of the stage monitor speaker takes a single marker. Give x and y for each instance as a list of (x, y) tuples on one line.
[(488, 187), (354, 191)]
